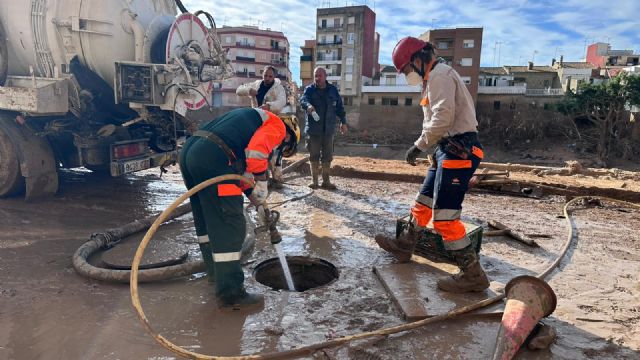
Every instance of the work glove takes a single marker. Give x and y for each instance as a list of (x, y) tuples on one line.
[(412, 155), (260, 192)]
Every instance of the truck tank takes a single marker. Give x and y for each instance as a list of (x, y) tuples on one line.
[(42, 36)]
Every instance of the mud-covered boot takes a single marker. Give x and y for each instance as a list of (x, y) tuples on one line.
[(471, 277), (315, 171), (402, 247), (326, 174), (241, 300)]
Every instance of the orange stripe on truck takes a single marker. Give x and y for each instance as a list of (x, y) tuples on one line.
[(229, 190), (456, 164)]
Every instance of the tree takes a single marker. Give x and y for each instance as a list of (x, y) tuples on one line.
[(606, 106)]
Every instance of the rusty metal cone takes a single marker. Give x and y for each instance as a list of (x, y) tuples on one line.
[(529, 299)]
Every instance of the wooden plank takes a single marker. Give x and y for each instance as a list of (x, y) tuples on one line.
[(412, 287)]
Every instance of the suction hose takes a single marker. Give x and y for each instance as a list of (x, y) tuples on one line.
[(305, 350), (109, 238)]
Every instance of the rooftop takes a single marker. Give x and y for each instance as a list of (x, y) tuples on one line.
[(493, 70), (539, 69), (576, 65)]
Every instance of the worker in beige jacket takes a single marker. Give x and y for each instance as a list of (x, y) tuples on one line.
[(450, 126), (268, 94)]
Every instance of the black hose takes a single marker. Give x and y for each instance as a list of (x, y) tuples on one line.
[(4, 57), (181, 7)]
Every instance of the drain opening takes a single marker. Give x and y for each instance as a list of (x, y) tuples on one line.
[(307, 273)]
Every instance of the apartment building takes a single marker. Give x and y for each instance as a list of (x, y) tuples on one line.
[(347, 46), (307, 62), (250, 50), (460, 48)]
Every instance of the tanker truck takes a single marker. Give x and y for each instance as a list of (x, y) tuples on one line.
[(106, 85)]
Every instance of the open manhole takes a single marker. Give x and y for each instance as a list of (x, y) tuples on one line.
[(307, 273)]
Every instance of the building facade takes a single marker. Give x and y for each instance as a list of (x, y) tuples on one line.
[(601, 55), (460, 48), (347, 47), (250, 49), (307, 62)]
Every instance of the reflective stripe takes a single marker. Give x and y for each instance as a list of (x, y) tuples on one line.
[(421, 213), (477, 152), (255, 154), (457, 244), (229, 190), (203, 239), (446, 214), (451, 230), (263, 114), (424, 200), (226, 257), (456, 164)]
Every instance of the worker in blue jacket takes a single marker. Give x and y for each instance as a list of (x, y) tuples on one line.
[(323, 105)]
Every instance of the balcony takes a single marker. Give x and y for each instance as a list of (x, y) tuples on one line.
[(391, 89), (330, 43), (330, 27), (326, 60), (245, 44), (306, 58), (245, 59), (513, 90), (544, 92)]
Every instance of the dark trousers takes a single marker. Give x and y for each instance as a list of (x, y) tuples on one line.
[(320, 148), (446, 184), (217, 210)]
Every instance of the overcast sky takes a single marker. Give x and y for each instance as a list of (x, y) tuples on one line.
[(515, 31)]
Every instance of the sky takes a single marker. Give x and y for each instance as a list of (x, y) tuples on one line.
[(514, 31)]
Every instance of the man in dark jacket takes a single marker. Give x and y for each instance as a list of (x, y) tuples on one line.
[(323, 104)]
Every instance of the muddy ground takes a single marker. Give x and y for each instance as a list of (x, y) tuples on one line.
[(47, 311)]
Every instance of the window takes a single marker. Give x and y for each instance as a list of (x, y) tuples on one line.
[(336, 22), (443, 45), (408, 101), (467, 44), (371, 100), (391, 80), (496, 105), (323, 39), (352, 19), (512, 106), (323, 23), (348, 101), (546, 83), (349, 53), (351, 38), (466, 79), (390, 101), (227, 39), (348, 77), (349, 69), (466, 61)]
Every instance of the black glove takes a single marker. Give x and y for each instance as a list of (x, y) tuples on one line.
[(412, 155)]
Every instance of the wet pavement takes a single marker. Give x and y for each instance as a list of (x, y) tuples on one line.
[(48, 311)]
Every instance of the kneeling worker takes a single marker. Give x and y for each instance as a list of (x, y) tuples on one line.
[(450, 125), (238, 142)]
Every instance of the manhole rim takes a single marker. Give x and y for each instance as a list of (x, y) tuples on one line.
[(289, 258)]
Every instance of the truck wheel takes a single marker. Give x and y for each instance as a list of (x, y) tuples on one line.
[(11, 180)]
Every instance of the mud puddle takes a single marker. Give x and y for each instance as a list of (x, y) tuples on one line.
[(47, 311)]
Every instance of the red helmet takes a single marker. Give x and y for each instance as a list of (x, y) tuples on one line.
[(404, 49)]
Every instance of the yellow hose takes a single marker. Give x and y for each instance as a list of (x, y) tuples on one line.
[(327, 344)]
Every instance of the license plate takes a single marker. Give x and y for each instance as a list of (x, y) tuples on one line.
[(136, 165)]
